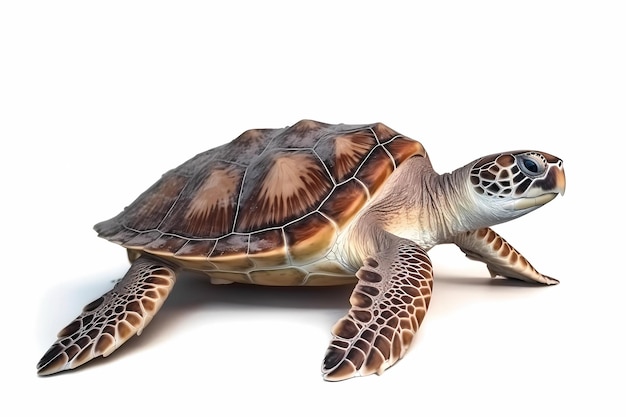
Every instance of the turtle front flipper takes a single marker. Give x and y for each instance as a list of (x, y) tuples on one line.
[(502, 259), (106, 323), (388, 305)]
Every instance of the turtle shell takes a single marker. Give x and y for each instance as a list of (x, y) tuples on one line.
[(266, 207)]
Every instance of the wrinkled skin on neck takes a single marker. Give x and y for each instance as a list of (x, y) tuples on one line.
[(416, 203), (425, 207)]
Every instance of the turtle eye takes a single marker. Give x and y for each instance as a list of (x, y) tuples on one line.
[(531, 164)]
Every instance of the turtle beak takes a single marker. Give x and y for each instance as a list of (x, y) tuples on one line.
[(544, 191), (559, 173), (530, 202), (555, 180)]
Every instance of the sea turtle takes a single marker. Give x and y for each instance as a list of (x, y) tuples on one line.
[(314, 204)]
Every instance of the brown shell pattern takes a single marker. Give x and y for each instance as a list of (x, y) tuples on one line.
[(271, 197)]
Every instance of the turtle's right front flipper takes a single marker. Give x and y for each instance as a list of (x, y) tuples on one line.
[(388, 305), (106, 323)]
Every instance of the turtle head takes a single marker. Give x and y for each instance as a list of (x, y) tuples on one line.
[(514, 183)]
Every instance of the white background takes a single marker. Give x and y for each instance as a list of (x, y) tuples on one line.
[(97, 99)]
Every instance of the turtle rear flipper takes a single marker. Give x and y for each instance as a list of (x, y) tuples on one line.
[(106, 323), (388, 305)]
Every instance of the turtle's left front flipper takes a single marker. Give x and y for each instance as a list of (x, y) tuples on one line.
[(106, 323), (502, 259), (388, 305)]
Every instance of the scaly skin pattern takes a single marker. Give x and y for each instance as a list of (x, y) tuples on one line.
[(388, 305), (502, 259), (106, 323)]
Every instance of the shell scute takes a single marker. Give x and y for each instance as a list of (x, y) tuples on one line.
[(324, 280), (165, 245), (281, 187), (117, 234), (141, 240), (309, 237), (146, 213), (264, 241), (345, 203), (403, 148), (284, 276), (233, 261), (231, 245), (344, 153), (268, 248), (196, 249), (240, 150), (383, 132), (303, 135), (206, 207), (378, 168)]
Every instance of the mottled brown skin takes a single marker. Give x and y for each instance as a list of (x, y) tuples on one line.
[(314, 204)]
